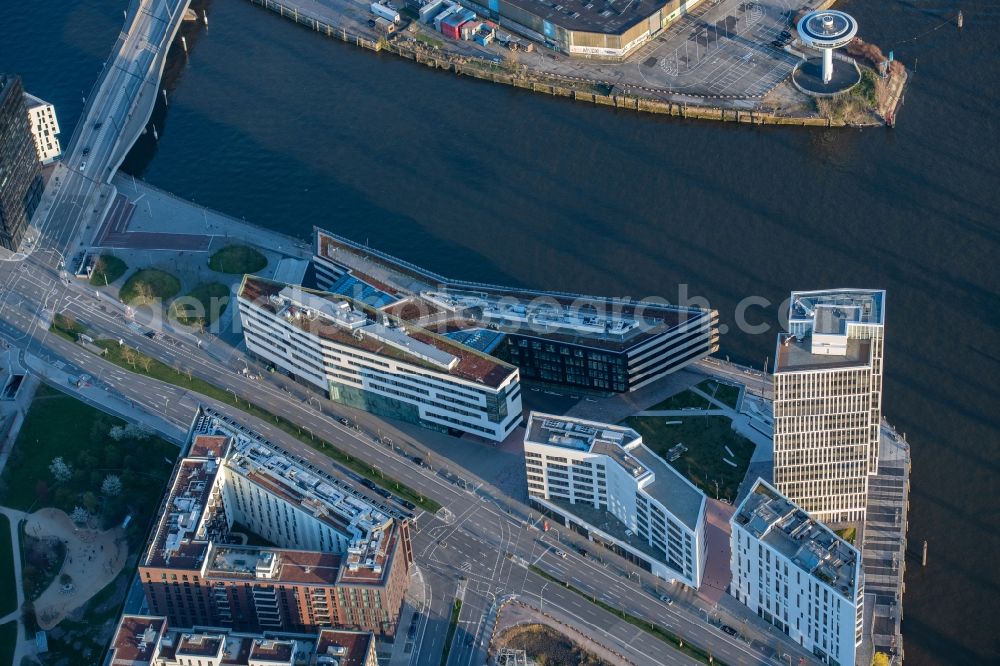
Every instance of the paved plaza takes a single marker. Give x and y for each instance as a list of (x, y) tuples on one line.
[(723, 47)]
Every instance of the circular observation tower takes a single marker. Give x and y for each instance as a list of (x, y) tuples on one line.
[(827, 30)]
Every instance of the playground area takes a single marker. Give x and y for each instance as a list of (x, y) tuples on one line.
[(93, 559)]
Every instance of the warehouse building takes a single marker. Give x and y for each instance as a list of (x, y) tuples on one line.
[(607, 29)]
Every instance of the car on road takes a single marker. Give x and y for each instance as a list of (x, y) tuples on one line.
[(150, 334), (86, 150), (83, 165), (726, 629), (418, 461), (667, 600), (344, 421), (98, 125), (560, 553), (582, 551)]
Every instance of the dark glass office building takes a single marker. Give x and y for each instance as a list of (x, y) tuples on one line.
[(20, 172)]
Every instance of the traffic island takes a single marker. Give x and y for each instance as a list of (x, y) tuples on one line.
[(149, 285)]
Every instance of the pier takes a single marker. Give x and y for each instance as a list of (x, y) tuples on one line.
[(884, 549)]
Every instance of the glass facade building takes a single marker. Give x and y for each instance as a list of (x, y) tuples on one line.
[(21, 182)]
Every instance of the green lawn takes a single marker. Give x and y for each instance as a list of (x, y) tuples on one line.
[(848, 534), (60, 426), (237, 259), (107, 269), (148, 285), (706, 438), (8, 641), (724, 392), (130, 359), (8, 586), (202, 305), (67, 326), (456, 609), (683, 400)]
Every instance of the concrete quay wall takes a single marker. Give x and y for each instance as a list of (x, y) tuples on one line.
[(547, 84)]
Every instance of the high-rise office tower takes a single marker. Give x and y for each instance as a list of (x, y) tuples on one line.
[(828, 401), (20, 173)]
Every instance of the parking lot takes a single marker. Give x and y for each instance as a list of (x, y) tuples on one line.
[(723, 47)]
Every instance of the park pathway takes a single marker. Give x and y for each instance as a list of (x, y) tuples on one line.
[(22, 649)]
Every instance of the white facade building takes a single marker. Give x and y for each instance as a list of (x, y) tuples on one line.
[(797, 574), (828, 401), (602, 481), (373, 361), (44, 128)]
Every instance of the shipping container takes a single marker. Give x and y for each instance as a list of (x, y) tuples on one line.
[(388, 13)]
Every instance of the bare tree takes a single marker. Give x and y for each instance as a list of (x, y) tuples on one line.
[(60, 470), (111, 486)]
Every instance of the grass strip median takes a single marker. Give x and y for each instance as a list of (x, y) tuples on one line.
[(456, 609), (654, 630), (135, 361)]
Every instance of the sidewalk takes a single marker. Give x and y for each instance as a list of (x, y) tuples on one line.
[(24, 647), (105, 400)]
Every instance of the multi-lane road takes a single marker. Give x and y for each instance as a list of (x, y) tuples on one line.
[(479, 548)]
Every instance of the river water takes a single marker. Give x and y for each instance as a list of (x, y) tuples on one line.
[(279, 125)]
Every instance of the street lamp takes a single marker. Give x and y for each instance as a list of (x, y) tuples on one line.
[(541, 595)]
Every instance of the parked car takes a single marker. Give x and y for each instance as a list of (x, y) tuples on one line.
[(728, 630), (344, 421)]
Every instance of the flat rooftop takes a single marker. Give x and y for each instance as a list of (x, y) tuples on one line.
[(604, 16), (354, 324), (596, 321), (623, 446), (811, 546), (144, 640), (273, 564), (795, 354), (829, 329), (349, 647), (135, 639), (868, 304), (192, 531)]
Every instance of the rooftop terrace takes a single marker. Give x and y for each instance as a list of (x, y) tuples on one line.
[(143, 640), (811, 546), (192, 530), (624, 446), (135, 640), (609, 323), (354, 324)]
